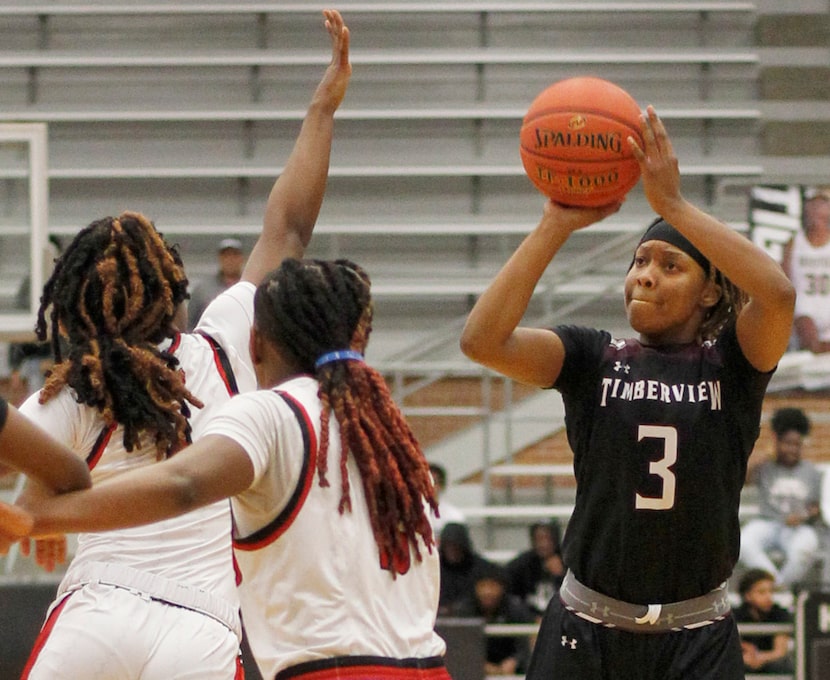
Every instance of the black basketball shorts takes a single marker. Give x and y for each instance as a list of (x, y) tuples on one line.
[(571, 648)]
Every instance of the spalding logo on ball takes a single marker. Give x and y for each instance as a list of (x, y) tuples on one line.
[(574, 142)]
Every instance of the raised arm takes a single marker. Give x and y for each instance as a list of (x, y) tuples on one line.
[(765, 323), (492, 335), (296, 197)]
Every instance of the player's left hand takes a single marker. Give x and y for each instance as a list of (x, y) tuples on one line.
[(659, 167), (571, 218), (15, 523)]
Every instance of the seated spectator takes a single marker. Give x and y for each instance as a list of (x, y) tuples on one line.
[(763, 653), (790, 490), (461, 564), (447, 512), (536, 574), (807, 263), (491, 601)]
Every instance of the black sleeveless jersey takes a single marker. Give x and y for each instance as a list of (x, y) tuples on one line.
[(661, 437)]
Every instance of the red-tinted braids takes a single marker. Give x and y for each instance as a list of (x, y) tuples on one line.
[(308, 308)]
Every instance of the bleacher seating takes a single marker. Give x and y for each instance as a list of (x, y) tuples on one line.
[(185, 110)]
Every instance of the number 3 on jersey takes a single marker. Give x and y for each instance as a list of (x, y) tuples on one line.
[(660, 467)]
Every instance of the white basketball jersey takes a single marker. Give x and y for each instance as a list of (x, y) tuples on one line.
[(810, 274), (312, 586), (194, 549)]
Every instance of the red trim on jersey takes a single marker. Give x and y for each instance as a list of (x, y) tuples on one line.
[(240, 670), (367, 668), (175, 342), (100, 446), (223, 364), (43, 636), (237, 572), (279, 525)]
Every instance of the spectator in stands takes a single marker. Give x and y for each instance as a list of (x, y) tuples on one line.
[(768, 653), (447, 511), (492, 602), (807, 263), (661, 424), (789, 489), (536, 574), (461, 564), (231, 261)]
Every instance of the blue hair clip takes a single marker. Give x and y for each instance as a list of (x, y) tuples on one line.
[(338, 355)]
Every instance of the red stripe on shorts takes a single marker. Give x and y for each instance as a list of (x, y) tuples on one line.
[(42, 637), (367, 668)]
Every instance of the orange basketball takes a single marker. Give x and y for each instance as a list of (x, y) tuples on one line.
[(573, 142)]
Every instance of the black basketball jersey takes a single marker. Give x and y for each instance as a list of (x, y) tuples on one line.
[(661, 438)]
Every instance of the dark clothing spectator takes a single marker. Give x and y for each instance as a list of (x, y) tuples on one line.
[(230, 263), (768, 653), (505, 654), (460, 566), (536, 574)]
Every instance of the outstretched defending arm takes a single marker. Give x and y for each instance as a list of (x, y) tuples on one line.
[(297, 195), (26, 448), (29, 449)]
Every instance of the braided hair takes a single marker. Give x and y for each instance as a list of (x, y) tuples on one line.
[(113, 295), (725, 310), (308, 308)]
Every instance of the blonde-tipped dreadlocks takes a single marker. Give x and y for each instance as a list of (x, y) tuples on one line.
[(114, 293), (308, 308)]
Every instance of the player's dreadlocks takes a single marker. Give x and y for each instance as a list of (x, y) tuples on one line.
[(113, 295), (309, 308)]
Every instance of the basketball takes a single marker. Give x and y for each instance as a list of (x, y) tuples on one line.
[(573, 142)]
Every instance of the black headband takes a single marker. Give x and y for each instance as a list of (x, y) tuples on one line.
[(660, 230)]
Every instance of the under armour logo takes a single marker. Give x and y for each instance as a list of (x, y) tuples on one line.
[(568, 643), (721, 605), (620, 366), (652, 616)]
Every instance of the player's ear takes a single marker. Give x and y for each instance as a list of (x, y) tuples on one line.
[(255, 345), (711, 294)]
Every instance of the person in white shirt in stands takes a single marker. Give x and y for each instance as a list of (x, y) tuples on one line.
[(807, 263), (789, 490)]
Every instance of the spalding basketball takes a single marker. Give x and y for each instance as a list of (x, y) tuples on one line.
[(574, 142)]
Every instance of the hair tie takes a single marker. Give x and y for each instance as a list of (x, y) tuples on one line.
[(337, 355)]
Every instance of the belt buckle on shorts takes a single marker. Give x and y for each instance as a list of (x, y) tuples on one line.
[(651, 617)]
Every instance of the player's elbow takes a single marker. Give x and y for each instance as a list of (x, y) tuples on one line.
[(783, 301), (185, 492), (785, 294), (473, 344)]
